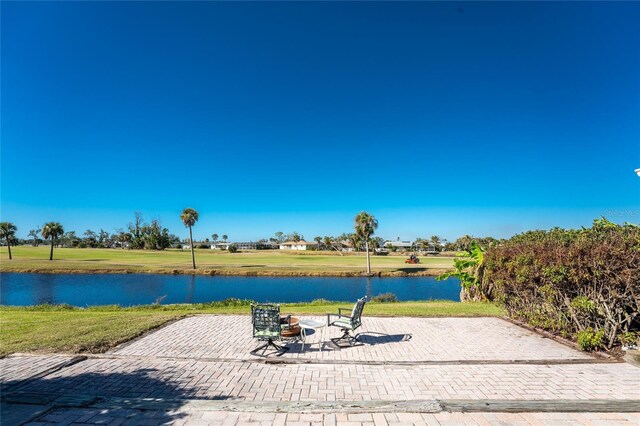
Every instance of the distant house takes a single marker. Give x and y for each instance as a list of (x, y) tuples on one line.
[(298, 245), (250, 245), (220, 246), (400, 245)]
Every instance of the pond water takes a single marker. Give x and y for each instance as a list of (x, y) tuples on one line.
[(137, 289)]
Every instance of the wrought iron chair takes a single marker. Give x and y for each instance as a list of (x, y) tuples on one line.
[(265, 319), (347, 323)]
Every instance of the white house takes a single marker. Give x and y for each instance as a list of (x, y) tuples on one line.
[(402, 245), (298, 245), (220, 246)]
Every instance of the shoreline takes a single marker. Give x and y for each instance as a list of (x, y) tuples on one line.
[(427, 272)]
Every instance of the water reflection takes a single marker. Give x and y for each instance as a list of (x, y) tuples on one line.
[(191, 289), (136, 289), (43, 291)]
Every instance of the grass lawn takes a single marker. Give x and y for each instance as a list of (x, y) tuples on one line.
[(46, 329), (263, 262)]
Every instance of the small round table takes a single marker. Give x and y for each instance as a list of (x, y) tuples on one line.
[(310, 324)]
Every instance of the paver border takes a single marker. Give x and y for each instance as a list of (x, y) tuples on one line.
[(327, 407)]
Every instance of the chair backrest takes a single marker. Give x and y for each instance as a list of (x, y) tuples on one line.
[(266, 320), (356, 313)]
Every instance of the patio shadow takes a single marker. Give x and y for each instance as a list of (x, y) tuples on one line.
[(133, 394), (374, 338)]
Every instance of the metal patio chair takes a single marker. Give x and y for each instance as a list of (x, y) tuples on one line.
[(265, 319), (347, 323)]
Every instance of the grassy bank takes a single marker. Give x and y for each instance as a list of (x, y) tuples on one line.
[(210, 262), (46, 329)]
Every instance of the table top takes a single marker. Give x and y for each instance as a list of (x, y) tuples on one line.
[(311, 323)]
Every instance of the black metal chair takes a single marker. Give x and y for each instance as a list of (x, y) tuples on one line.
[(348, 323), (265, 319)]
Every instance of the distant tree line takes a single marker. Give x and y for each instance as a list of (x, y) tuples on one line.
[(140, 234)]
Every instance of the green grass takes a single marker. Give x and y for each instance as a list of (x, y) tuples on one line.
[(269, 262), (47, 329)]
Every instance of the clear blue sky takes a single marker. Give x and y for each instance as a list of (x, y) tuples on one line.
[(438, 118)]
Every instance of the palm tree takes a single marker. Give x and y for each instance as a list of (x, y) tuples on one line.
[(215, 238), (124, 238), (365, 226), (224, 238), (469, 269), (189, 218), (52, 230), (354, 240), (319, 241), (8, 231), (328, 242), (34, 234)]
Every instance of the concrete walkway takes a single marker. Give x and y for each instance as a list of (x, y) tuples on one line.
[(407, 371)]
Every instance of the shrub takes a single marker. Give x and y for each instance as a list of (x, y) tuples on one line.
[(385, 298), (232, 302), (629, 338), (233, 248), (590, 340), (570, 281), (320, 302), (204, 246)]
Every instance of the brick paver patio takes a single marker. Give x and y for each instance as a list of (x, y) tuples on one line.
[(432, 339), (407, 371)]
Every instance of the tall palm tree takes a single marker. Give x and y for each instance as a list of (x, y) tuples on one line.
[(52, 230), (215, 238), (8, 231), (189, 218), (225, 238), (319, 241), (365, 226)]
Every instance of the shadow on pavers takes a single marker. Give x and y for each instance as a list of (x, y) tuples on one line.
[(119, 395), (375, 338)]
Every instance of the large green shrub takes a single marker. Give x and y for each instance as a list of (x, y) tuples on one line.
[(571, 282)]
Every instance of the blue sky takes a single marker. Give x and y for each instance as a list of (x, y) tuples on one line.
[(438, 118)]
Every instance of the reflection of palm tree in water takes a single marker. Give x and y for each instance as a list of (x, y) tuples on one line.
[(192, 288), (43, 287), (369, 287)]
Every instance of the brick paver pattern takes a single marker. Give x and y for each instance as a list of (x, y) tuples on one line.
[(207, 358), (15, 368), (137, 378), (432, 339)]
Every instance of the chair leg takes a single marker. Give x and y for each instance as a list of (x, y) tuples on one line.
[(351, 340), (270, 342)]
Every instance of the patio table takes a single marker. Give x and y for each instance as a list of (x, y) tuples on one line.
[(310, 324)]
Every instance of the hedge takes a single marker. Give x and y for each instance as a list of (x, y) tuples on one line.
[(583, 284)]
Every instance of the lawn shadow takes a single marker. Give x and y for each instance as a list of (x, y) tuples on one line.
[(144, 396)]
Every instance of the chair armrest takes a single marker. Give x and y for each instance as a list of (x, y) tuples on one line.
[(335, 315), (344, 309)]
